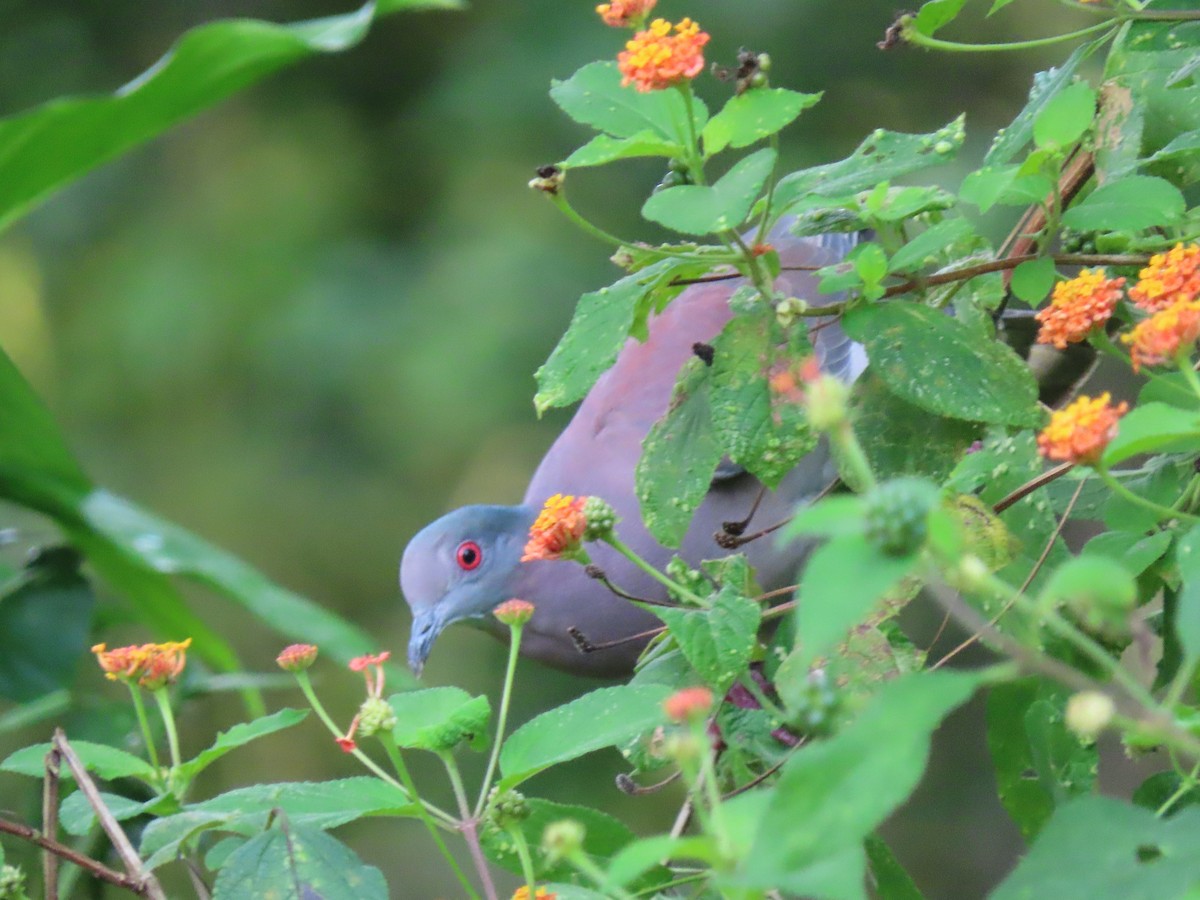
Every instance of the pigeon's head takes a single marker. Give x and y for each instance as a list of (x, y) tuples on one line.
[(461, 567)]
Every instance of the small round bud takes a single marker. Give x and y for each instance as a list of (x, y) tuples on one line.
[(688, 703), (375, 714), (758, 79), (600, 518), (683, 747), (764, 62), (563, 838), (973, 573), (897, 513), (1088, 713), (297, 657), (675, 164), (825, 398), (514, 613)]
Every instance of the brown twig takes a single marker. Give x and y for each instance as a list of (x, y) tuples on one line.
[(1032, 485), (583, 645), (597, 573), (50, 786), (71, 855), (627, 785), (120, 841), (738, 528)]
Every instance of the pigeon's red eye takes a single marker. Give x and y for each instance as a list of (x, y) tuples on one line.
[(468, 555)]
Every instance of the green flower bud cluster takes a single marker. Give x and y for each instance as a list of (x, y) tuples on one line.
[(506, 808), (688, 578), (896, 515), (562, 839), (600, 517), (812, 711), (375, 714)]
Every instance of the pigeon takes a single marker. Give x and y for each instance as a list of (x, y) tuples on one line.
[(464, 564)]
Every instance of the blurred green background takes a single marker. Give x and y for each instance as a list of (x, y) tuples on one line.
[(305, 323)]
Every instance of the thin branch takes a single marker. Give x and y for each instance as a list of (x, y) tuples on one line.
[(120, 841), (627, 785), (50, 786), (71, 855), (597, 573), (1032, 485), (583, 645)]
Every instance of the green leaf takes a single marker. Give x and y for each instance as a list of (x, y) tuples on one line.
[(239, 735), (1046, 86), (1153, 428), (883, 156), (1065, 117), (1033, 280), (594, 96), (325, 804), (891, 881), (1099, 848), (599, 328), (929, 359), (45, 148), (836, 792), (936, 14), (718, 641), (440, 719), (1131, 203), (753, 115), (297, 863), (826, 610), (1135, 551), (758, 429), (1039, 763), (679, 457), (100, 759), (602, 718), (701, 209), (1005, 185), (833, 516), (924, 248), (604, 149), (646, 854), (901, 439), (1187, 615), (78, 818), (604, 837), (45, 621)]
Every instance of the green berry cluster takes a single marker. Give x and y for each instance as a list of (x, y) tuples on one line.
[(600, 517)]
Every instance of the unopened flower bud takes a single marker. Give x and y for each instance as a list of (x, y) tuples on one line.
[(507, 807), (1088, 713), (825, 399), (562, 839), (600, 518), (688, 703), (973, 573), (297, 657), (514, 613), (12, 883), (375, 714), (683, 747)]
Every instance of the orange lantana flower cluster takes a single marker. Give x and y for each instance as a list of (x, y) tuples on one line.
[(1172, 277), (558, 530), (522, 893), (655, 58), (1166, 334), (688, 703), (1077, 306), (625, 13), (151, 666), (1080, 432)]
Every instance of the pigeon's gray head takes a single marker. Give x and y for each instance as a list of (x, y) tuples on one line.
[(461, 567)]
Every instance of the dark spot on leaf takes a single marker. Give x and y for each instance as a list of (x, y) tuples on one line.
[(1148, 853)]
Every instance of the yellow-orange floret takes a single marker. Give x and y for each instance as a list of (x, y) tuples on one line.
[(558, 530), (1172, 277), (1077, 306), (1165, 335), (655, 58), (1080, 432)]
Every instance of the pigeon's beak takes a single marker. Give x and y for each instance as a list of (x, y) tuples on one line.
[(426, 627)]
